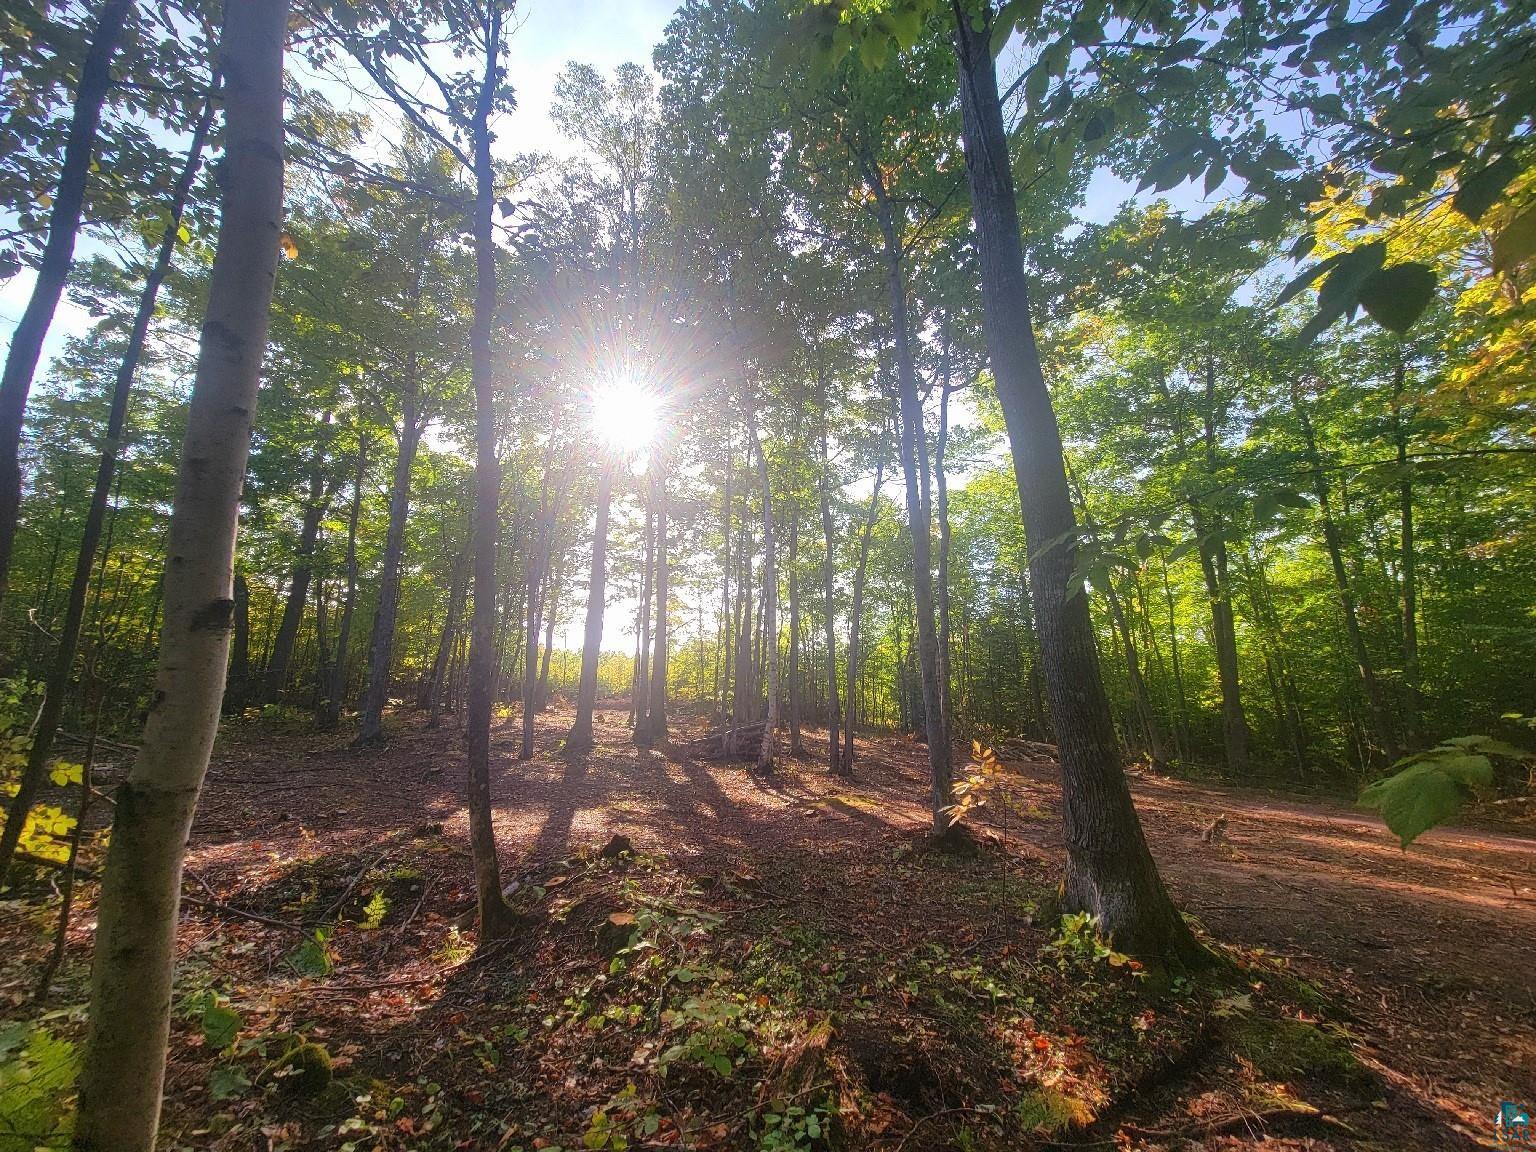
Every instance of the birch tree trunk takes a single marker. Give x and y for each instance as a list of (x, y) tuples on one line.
[(124, 1064)]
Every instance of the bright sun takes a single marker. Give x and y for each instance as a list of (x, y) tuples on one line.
[(625, 414)]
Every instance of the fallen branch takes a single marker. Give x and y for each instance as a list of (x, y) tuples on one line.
[(213, 904)]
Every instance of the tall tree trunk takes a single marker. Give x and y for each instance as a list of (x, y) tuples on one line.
[(744, 703), (656, 720), (913, 460), (235, 692), (336, 689), (441, 664), (1110, 872), (770, 631), (726, 628), (56, 690), (538, 568), (640, 680), (1212, 549), (580, 737), (796, 745), (1146, 715), (946, 706), (1375, 701), (856, 608), (837, 764), (495, 916), (124, 1064), (54, 266), (275, 679), (551, 618), (381, 646), (1408, 569)]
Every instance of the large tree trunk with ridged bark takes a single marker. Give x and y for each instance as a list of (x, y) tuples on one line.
[(124, 1066), (1110, 872)]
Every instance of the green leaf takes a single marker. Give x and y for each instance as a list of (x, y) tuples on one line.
[(227, 1081), (1396, 296), (221, 1025), (1427, 792), (1516, 241), (1340, 292), (1481, 190)]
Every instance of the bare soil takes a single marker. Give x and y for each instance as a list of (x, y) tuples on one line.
[(921, 998)]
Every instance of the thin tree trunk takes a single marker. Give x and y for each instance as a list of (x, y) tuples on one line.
[(837, 763), (53, 268), (656, 720), (913, 459), (1146, 715), (541, 695), (124, 1063), (56, 690), (856, 608), (796, 746), (1110, 872), (495, 916), (381, 647), (580, 737), (336, 689), (538, 567), (1212, 549), (442, 665), (640, 677), (1408, 569), (275, 679), (770, 634), (946, 706), (240, 651), (1375, 702)]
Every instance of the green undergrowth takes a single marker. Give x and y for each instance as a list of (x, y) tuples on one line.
[(714, 1007)]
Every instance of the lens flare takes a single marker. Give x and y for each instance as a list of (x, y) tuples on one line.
[(626, 415)]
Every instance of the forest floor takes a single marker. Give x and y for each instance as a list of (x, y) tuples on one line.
[(781, 962)]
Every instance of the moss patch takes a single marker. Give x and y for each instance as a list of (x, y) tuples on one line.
[(1284, 1049)]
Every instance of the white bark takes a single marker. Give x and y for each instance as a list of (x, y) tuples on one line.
[(124, 1069)]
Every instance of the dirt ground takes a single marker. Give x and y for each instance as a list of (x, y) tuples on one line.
[(802, 896), (1430, 951)]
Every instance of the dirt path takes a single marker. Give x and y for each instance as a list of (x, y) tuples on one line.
[(1433, 950)]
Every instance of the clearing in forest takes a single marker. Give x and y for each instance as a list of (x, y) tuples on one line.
[(707, 958)]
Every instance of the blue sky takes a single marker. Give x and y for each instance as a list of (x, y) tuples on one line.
[(550, 33)]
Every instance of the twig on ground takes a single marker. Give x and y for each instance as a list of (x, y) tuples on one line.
[(214, 904)]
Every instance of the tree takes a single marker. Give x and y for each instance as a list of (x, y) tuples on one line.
[(124, 1063), (580, 736), (53, 268), (57, 688)]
